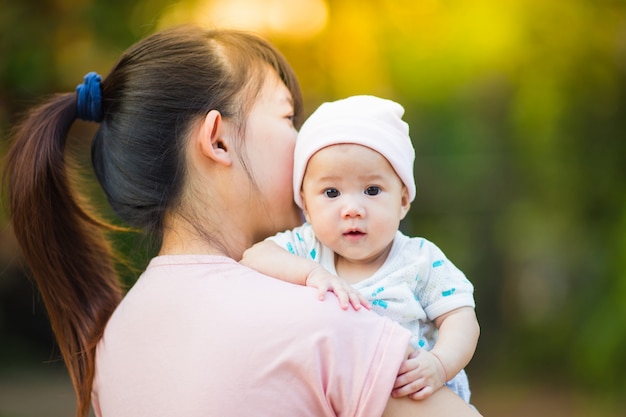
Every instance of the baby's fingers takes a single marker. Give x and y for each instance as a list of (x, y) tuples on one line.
[(340, 292), (343, 296), (413, 388), (321, 292), (357, 300), (422, 394)]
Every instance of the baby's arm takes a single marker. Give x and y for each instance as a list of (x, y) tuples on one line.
[(270, 259), (427, 371)]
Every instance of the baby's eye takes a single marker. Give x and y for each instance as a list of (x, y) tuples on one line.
[(331, 192), (373, 190)]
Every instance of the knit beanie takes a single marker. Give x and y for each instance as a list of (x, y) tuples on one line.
[(362, 120)]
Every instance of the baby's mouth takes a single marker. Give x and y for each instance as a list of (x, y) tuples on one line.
[(353, 233)]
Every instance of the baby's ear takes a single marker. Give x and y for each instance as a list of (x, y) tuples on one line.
[(405, 203), (304, 209)]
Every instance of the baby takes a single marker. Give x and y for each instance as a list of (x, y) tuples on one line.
[(353, 179)]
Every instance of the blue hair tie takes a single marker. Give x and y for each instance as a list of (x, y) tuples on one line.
[(89, 98)]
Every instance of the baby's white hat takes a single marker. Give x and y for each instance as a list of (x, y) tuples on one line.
[(363, 120)]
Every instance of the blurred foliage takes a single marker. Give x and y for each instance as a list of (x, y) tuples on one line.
[(517, 112)]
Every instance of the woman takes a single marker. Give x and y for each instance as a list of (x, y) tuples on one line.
[(195, 147)]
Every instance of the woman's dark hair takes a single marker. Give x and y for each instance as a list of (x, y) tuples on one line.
[(150, 100)]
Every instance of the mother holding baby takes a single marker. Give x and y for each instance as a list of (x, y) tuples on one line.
[(195, 147)]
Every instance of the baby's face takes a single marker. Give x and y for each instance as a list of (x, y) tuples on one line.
[(354, 201)]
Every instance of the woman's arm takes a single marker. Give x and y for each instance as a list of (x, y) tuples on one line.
[(442, 403)]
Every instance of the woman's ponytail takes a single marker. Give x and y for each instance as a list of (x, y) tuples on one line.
[(64, 245)]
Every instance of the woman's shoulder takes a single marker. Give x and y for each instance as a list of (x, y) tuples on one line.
[(226, 293)]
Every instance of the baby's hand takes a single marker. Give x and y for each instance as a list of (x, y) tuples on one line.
[(324, 281), (419, 376)]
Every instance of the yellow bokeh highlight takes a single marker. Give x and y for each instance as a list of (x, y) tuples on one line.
[(298, 20), (353, 51)]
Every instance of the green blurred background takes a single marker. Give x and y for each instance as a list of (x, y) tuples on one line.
[(517, 110)]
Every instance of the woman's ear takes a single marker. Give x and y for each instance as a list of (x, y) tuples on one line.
[(211, 139)]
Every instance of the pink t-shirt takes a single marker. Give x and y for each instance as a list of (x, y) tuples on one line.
[(201, 335)]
